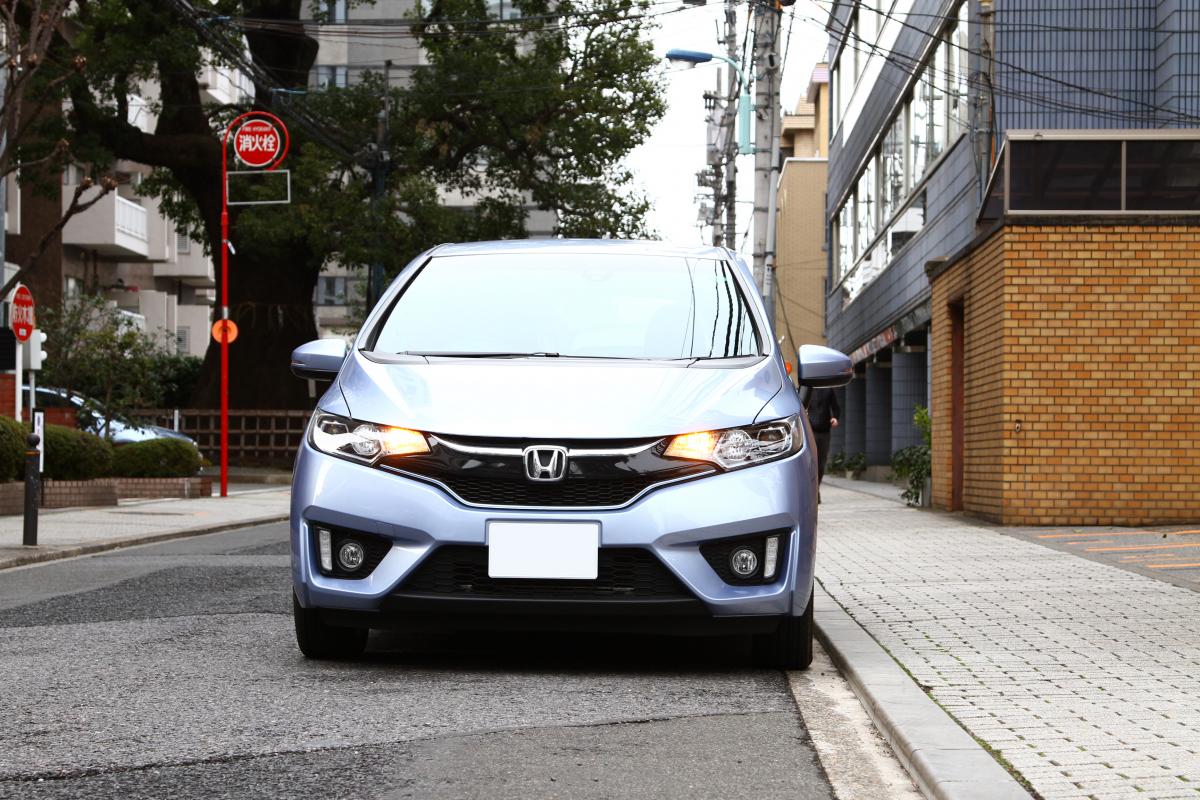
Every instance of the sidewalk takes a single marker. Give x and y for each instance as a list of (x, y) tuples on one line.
[(76, 531), (1083, 677)]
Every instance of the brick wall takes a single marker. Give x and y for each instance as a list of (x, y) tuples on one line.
[(1105, 327), (8, 394), (72, 494), (977, 283), (1087, 337), (162, 487)]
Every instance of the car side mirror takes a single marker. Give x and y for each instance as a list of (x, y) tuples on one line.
[(320, 359), (823, 367)]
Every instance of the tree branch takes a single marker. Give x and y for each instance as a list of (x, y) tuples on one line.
[(107, 184)]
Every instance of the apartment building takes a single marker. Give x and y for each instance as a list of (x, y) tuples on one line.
[(124, 246), (800, 246), (1013, 199)]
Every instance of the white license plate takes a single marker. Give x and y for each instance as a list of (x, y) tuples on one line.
[(543, 549)]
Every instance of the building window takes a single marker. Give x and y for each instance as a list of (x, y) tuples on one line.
[(865, 206), (503, 9), (845, 238), (959, 64), (894, 177), (183, 338), (1162, 176), (72, 287), (845, 76), (937, 79), (335, 11), (1067, 175), (183, 245), (330, 77), (337, 290)]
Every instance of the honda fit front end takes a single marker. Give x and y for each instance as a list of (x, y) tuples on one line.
[(559, 434)]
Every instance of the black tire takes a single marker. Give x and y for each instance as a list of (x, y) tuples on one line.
[(322, 641), (791, 646)]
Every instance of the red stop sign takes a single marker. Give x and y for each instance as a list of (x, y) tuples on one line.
[(23, 321), (257, 143)]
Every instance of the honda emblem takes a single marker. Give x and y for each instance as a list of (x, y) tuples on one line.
[(545, 463)]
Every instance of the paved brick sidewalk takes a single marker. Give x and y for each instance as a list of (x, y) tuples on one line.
[(80, 530), (1084, 677)]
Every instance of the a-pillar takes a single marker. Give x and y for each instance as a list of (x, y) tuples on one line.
[(855, 409), (909, 382), (879, 415)]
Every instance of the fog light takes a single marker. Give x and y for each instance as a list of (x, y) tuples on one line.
[(770, 557), (325, 546), (743, 562), (351, 556)]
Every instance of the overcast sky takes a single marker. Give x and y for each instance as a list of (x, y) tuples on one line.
[(666, 165)]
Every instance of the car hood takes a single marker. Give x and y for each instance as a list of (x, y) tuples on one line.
[(555, 398)]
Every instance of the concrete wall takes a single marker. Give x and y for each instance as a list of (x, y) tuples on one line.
[(800, 255)]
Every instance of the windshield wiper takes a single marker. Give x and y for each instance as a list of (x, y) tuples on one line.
[(473, 354)]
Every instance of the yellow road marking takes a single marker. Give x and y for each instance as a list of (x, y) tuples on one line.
[(1115, 533), (1140, 547), (1171, 566)]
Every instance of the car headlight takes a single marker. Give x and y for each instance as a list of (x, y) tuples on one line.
[(363, 441), (740, 447)]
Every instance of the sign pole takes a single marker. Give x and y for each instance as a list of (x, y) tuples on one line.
[(258, 144)]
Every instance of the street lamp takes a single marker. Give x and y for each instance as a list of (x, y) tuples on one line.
[(694, 57)]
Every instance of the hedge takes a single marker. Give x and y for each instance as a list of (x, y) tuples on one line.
[(156, 458), (73, 455), (12, 449)]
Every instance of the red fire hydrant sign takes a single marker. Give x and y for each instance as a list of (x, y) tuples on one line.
[(23, 321), (257, 143)]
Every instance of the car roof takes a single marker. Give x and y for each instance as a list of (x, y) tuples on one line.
[(579, 246)]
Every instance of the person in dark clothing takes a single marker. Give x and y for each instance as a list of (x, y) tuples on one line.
[(823, 412)]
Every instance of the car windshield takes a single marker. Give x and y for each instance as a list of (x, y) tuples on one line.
[(581, 305)]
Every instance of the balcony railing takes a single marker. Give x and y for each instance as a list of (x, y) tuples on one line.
[(113, 227)]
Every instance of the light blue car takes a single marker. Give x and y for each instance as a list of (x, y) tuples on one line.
[(561, 435)]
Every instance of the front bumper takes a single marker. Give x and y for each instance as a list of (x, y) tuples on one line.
[(671, 523)]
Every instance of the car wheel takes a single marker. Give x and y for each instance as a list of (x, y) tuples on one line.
[(790, 646), (322, 641)]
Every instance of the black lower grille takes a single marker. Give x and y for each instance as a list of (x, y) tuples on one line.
[(569, 492), (623, 573)]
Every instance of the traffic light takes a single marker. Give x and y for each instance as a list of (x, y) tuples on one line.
[(35, 349)]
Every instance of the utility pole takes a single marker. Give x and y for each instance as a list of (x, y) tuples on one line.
[(766, 131), (731, 142), (379, 172)]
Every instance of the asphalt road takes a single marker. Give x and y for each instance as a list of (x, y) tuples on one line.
[(171, 670)]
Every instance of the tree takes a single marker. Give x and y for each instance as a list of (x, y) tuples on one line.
[(545, 106), (95, 351), (30, 97)]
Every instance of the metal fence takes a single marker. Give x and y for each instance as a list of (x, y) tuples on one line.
[(257, 437)]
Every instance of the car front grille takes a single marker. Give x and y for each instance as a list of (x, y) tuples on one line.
[(599, 473), (623, 573)]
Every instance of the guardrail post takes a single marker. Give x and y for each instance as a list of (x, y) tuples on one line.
[(32, 479)]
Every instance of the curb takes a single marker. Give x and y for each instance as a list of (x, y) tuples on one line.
[(40, 556), (941, 757)]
